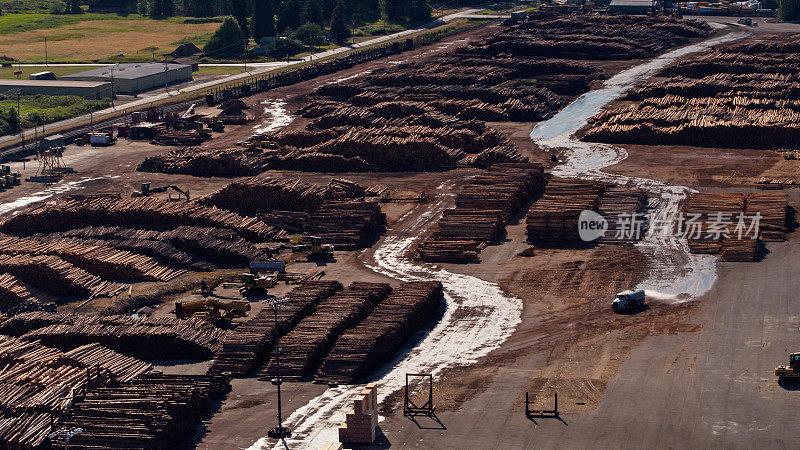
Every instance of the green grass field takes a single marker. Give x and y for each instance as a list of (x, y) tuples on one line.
[(44, 109), (8, 72)]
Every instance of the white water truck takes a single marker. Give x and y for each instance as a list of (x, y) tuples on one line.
[(628, 300)]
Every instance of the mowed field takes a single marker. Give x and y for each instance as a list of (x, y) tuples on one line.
[(97, 37)]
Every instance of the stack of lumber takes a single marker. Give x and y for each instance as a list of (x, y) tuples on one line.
[(152, 411), (233, 162), (553, 219), (26, 430), (773, 208), (622, 207), (153, 337), (293, 221), (251, 343), (481, 211), (379, 337), (260, 195), (347, 225), (15, 294), (180, 138), (701, 212), (142, 213), (124, 368), (303, 349), (361, 421)]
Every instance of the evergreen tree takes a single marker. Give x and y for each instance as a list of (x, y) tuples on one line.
[(227, 41), (12, 121), (339, 30), (312, 12), (420, 11), (263, 19), (239, 10), (199, 8), (394, 10), (788, 10), (74, 7)]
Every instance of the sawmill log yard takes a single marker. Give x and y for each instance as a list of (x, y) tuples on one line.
[(544, 231)]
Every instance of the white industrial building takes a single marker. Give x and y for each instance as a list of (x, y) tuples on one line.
[(132, 78)]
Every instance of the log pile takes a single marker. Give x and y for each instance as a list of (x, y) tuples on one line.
[(250, 344), (260, 195), (591, 37), (156, 337), (347, 225), (773, 207), (144, 212), (152, 411), (481, 211), (743, 250), (234, 162), (181, 138), (622, 208), (713, 224), (379, 337), (553, 219), (733, 97), (303, 349)]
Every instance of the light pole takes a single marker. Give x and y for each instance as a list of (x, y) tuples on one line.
[(279, 432)]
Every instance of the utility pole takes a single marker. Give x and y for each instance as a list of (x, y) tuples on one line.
[(45, 51), (244, 55), (21, 128), (278, 432), (165, 79), (154, 53), (311, 43), (112, 86)]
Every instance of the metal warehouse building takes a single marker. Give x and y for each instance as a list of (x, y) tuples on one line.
[(632, 6), (132, 78), (95, 90)]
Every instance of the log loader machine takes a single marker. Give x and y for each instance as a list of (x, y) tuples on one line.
[(312, 244), (146, 191), (249, 283), (790, 373), (211, 310), (9, 178)]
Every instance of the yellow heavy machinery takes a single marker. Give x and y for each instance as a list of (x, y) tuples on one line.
[(211, 310), (311, 244), (248, 283), (791, 372)]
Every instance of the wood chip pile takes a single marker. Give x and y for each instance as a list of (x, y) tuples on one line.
[(152, 411), (347, 225), (740, 96), (379, 337), (303, 349), (553, 219), (251, 343), (623, 208), (481, 211), (39, 384), (592, 37), (146, 337)]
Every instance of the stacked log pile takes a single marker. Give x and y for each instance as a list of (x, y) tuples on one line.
[(379, 337), (260, 195), (39, 384), (155, 337), (481, 211), (152, 411), (713, 224), (733, 97), (250, 344), (144, 212), (14, 292), (53, 274), (233, 162), (623, 208), (592, 37), (347, 225), (553, 219), (303, 349), (773, 208)]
